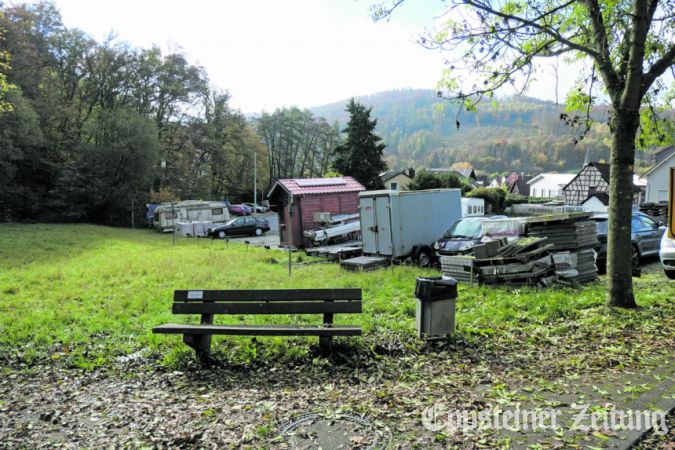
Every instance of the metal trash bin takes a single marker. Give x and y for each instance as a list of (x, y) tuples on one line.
[(435, 311)]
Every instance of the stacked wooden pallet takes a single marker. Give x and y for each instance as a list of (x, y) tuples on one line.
[(568, 232), (523, 262), (574, 237), (459, 267), (657, 210)]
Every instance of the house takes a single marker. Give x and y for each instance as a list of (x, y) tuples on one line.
[(298, 199), (657, 177), (596, 203), (517, 184), (549, 185), (397, 180), (592, 178), (482, 180), (498, 181)]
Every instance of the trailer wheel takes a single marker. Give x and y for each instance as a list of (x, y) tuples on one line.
[(423, 257)]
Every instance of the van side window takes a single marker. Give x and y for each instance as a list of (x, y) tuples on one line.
[(217, 212)]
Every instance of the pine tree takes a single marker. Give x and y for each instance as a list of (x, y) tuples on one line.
[(361, 155)]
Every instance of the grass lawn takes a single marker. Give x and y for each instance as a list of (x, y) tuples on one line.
[(76, 300), (87, 294)]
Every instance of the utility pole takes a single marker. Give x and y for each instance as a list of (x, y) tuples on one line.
[(255, 181)]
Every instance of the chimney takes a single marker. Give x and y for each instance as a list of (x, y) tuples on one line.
[(411, 172)]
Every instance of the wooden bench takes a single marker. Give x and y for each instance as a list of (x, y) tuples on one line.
[(268, 301)]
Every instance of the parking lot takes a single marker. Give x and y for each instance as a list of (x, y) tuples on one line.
[(271, 238)]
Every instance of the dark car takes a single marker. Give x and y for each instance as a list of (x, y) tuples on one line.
[(645, 236), (462, 236), (239, 210), (241, 226)]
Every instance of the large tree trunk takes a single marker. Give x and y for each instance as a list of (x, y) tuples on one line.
[(619, 247)]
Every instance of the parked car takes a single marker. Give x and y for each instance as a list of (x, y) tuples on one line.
[(239, 210), (462, 236), (667, 256), (645, 236), (241, 226), (256, 208)]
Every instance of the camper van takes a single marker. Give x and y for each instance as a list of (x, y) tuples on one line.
[(167, 214)]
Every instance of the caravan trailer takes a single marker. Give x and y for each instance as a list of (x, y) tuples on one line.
[(167, 214)]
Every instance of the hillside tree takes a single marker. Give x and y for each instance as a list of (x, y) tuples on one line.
[(361, 155), (628, 46)]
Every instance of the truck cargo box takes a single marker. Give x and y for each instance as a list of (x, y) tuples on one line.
[(397, 224)]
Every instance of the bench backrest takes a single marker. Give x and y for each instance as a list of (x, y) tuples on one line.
[(267, 301)]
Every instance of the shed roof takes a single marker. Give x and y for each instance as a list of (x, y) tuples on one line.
[(310, 186)]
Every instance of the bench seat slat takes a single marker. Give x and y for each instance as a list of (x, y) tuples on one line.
[(267, 308), (270, 295), (264, 330)]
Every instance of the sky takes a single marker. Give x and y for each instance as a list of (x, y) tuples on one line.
[(272, 53)]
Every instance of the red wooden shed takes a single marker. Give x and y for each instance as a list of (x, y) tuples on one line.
[(299, 198)]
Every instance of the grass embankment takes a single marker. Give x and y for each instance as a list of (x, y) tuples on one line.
[(84, 295)]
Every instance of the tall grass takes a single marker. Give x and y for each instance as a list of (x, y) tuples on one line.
[(90, 293)]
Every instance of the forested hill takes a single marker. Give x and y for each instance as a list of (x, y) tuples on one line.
[(517, 133)]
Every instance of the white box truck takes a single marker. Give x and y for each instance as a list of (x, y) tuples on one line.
[(405, 224)]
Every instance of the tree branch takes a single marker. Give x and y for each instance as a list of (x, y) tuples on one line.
[(657, 69)]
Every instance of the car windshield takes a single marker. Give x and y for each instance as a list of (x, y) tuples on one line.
[(231, 221), (465, 228)]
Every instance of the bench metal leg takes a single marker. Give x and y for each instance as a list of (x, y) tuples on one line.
[(325, 345), (325, 341), (201, 343)]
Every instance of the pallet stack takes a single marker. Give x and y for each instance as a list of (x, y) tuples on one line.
[(574, 237), (459, 267), (555, 248), (523, 262)]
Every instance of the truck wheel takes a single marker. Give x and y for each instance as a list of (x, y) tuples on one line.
[(423, 257)]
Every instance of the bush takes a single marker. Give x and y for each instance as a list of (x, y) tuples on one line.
[(449, 180), (495, 198)]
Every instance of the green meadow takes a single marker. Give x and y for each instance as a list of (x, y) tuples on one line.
[(84, 295)]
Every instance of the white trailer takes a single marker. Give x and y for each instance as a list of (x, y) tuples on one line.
[(472, 207), (405, 224), (167, 214)]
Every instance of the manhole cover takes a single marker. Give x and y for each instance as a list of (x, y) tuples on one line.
[(333, 431)]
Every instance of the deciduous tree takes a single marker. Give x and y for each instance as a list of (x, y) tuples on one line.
[(628, 45)]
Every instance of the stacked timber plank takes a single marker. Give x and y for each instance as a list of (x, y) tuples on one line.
[(336, 252), (574, 237)]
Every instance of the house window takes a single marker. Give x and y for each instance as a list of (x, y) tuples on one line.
[(393, 186), (217, 212)]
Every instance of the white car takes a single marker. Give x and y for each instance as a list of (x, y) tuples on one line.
[(667, 255)]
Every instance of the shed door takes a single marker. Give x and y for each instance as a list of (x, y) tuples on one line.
[(368, 223), (382, 214)]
